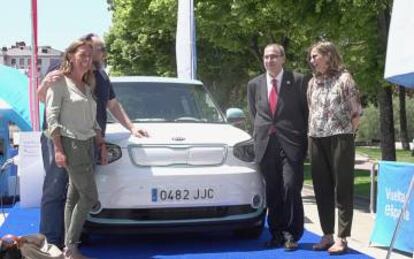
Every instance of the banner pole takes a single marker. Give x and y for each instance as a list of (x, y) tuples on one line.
[(403, 211), (373, 188), (185, 43), (34, 102)]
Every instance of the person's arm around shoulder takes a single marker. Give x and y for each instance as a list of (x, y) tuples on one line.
[(119, 113), (49, 80)]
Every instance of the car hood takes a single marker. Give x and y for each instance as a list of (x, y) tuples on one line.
[(178, 133)]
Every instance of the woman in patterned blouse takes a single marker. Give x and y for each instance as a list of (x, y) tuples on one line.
[(334, 112)]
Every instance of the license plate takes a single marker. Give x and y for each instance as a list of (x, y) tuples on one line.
[(162, 195)]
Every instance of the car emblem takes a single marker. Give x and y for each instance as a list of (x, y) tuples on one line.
[(178, 138)]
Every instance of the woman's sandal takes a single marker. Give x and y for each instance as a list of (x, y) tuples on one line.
[(339, 247), (325, 243)]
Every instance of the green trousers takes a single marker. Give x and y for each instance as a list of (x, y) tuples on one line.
[(82, 192), (332, 167)]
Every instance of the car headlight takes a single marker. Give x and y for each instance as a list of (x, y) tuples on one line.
[(244, 150), (114, 152)]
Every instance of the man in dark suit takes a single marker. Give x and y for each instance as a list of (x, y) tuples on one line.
[(279, 112)]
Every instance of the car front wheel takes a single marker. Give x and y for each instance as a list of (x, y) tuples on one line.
[(250, 233)]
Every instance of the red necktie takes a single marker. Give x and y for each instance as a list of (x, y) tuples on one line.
[(273, 97)]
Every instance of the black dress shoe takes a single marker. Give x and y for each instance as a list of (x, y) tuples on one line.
[(290, 245), (274, 243)]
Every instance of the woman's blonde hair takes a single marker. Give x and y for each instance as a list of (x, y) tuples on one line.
[(334, 59), (66, 66)]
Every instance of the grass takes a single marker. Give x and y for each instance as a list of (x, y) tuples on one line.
[(362, 181), (375, 153)]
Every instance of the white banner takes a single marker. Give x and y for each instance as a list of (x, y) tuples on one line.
[(399, 65), (30, 169), (185, 48)]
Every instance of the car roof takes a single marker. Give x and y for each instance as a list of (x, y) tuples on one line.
[(154, 79)]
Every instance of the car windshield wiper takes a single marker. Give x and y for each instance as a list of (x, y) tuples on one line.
[(149, 120), (188, 119)]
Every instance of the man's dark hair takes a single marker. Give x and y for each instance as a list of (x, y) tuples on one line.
[(88, 36)]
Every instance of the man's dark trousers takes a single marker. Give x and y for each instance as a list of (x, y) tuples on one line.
[(284, 181), (54, 196)]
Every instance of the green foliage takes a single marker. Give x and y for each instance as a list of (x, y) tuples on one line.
[(369, 127), (375, 154), (409, 105), (231, 36), (141, 41)]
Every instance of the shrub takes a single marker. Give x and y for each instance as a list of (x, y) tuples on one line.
[(369, 129), (369, 126)]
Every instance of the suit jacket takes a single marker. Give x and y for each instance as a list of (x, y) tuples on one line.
[(290, 120)]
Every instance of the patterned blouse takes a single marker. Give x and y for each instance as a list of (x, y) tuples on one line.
[(333, 102)]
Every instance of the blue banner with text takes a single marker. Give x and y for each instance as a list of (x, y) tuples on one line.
[(393, 183)]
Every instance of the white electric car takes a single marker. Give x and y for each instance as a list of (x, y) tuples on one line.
[(195, 172)]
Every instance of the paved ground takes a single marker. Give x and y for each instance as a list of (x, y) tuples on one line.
[(363, 162), (363, 220), (361, 230)]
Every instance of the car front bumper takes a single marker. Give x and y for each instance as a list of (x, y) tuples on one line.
[(253, 219)]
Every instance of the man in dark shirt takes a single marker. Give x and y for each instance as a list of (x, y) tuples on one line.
[(56, 179)]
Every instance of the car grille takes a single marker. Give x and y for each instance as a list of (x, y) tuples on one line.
[(175, 213), (169, 155)]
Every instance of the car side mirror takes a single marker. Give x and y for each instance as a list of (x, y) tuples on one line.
[(236, 117)]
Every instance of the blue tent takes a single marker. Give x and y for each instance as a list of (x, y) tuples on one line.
[(399, 65), (8, 114), (14, 91), (14, 109)]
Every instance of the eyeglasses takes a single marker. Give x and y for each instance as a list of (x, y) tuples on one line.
[(271, 56), (101, 48)]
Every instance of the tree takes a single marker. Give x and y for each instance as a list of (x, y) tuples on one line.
[(229, 43), (231, 36), (403, 119), (385, 93)]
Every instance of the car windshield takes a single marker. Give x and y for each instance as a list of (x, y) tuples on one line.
[(166, 102)]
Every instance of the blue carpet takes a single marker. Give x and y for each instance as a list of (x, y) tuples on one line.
[(189, 245)]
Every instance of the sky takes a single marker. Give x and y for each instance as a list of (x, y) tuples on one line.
[(59, 21)]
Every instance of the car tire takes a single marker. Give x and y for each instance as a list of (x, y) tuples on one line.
[(84, 238), (250, 233)]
